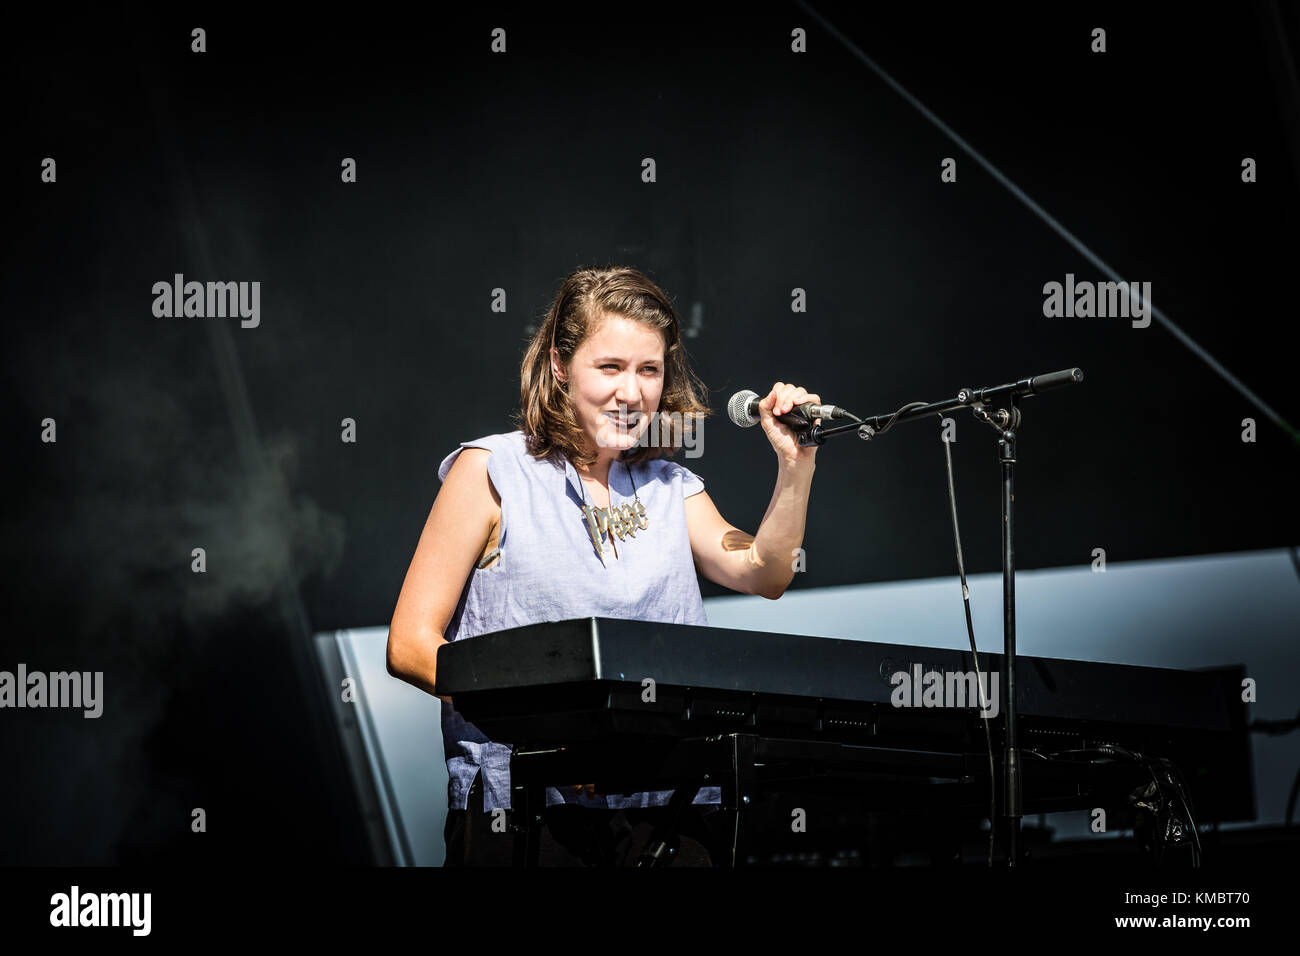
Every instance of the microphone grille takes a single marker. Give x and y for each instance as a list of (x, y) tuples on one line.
[(737, 408)]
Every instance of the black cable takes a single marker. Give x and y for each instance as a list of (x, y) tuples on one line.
[(735, 837), (1274, 728), (1174, 777), (890, 424), (1115, 750), (1180, 785), (970, 630)]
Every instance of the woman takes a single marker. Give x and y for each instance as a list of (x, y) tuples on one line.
[(577, 514)]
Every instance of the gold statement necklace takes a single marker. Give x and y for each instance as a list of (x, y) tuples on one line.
[(622, 521)]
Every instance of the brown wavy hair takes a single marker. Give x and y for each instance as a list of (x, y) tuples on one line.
[(547, 416)]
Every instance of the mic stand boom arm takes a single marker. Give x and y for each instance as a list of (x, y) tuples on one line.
[(975, 398)]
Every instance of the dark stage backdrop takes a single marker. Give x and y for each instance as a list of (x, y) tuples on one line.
[(774, 171)]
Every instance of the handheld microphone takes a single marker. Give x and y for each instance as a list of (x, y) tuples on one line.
[(743, 411)]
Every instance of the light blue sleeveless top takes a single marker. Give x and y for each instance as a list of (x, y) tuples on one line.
[(549, 570)]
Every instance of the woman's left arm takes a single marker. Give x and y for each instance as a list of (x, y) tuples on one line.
[(763, 563)]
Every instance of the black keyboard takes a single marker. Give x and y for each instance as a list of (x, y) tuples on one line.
[(602, 679)]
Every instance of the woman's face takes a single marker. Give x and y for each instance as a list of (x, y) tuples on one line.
[(615, 380)]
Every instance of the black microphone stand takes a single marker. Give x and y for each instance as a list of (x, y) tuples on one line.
[(1004, 421)]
